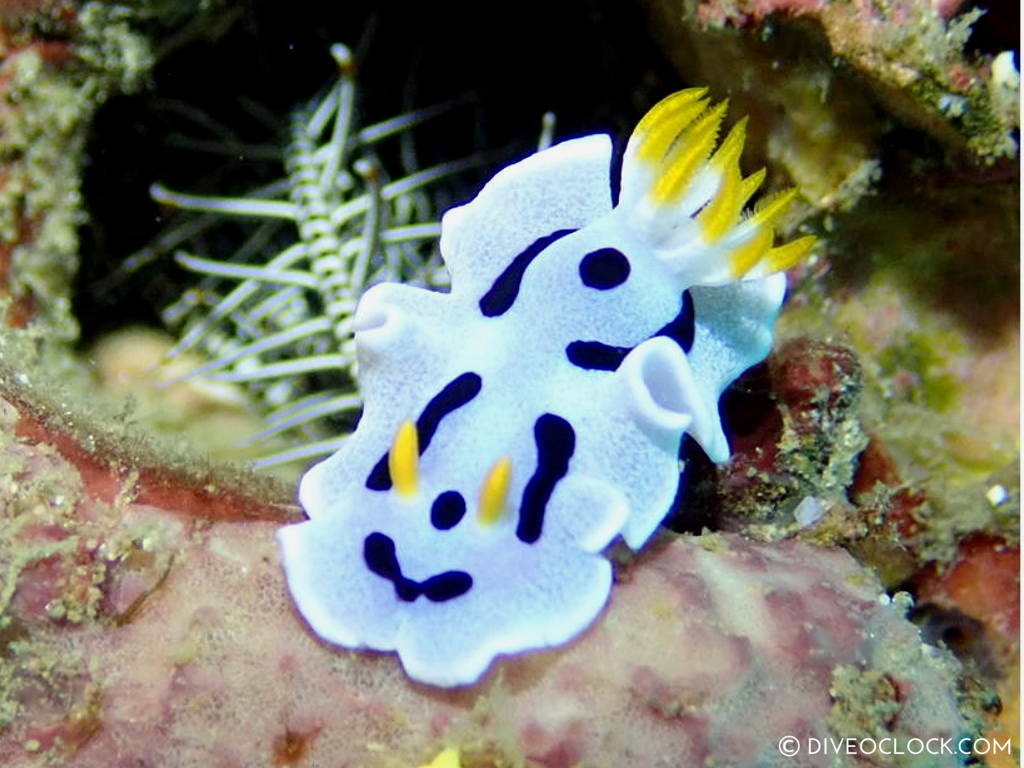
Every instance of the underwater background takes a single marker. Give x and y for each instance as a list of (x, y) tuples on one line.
[(851, 572)]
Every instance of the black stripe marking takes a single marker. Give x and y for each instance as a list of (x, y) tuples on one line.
[(407, 589), (619, 142), (446, 586), (556, 442), (681, 328), (455, 394), (379, 554), (596, 355), (379, 478), (447, 510), (502, 294), (380, 557)]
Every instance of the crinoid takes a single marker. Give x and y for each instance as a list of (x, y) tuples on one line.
[(281, 325)]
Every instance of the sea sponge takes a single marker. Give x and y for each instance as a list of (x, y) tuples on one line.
[(187, 651)]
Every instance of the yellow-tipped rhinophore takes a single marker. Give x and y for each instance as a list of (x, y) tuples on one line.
[(494, 491), (447, 758), (665, 120), (688, 155), (404, 459)]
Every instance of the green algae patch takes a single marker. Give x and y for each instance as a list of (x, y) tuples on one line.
[(924, 357)]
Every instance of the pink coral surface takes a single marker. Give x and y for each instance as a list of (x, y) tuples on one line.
[(136, 634)]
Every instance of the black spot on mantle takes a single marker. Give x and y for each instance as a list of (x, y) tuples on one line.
[(596, 355), (604, 269), (447, 510)]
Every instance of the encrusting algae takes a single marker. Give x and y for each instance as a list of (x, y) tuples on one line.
[(52, 91)]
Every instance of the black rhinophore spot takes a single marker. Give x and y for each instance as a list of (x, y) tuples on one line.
[(604, 269), (556, 441), (380, 557), (455, 394), (502, 294), (447, 510)]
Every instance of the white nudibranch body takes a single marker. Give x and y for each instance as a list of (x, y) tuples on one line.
[(518, 424)]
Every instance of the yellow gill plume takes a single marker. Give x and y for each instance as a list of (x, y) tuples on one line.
[(745, 257), (654, 134), (404, 459), (494, 491), (688, 155), (758, 251), (750, 185), (447, 758), (790, 254), (768, 209), (723, 211), (671, 146)]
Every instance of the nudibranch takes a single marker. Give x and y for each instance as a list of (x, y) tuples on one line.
[(514, 427)]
